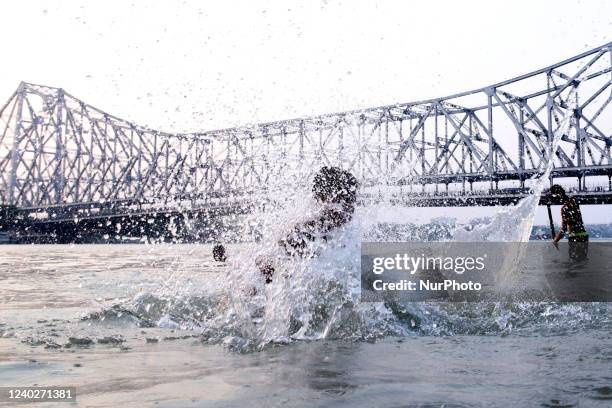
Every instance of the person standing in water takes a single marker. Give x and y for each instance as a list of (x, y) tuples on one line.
[(336, 190), (572, 224)]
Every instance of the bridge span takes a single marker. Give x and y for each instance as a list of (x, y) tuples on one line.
[(62, 159)]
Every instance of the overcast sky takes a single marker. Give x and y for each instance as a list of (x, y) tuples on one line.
[(196, 65)]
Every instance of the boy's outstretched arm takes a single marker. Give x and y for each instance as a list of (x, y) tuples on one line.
[(561, 232)]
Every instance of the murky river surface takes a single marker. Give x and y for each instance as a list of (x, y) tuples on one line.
[(51, 298)]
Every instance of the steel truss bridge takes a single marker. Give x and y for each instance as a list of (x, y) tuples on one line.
[(61, 158)]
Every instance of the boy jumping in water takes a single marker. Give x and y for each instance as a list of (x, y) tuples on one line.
[(336, 189)]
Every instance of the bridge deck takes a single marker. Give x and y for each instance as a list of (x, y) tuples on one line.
[(125, 209)]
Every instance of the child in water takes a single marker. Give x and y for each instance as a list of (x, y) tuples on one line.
[(572, 224), (336, 190)]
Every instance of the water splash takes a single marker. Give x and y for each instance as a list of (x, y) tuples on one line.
[(316, 296), (514, 224)]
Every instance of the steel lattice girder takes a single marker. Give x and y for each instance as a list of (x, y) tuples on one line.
[(55, 149)]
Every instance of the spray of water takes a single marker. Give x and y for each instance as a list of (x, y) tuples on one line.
[(513, 224), (315, 296)]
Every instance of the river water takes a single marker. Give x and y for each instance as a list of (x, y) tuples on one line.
[(163, 335), (166, 326)]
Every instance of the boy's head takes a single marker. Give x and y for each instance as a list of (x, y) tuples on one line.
[(334, 185), (557, 191), (219, 253)]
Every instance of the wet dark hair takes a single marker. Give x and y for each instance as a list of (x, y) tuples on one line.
[(219, 253), (556, 189), (334, 185)]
